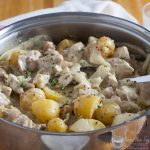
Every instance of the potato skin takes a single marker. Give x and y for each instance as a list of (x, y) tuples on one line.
[(13, 60), (64, 44), (86, 105), (107, 112), (106, 45), (121, 118), (51, 94), (57, 125), (45, 110), (31, 95), (86, 125)]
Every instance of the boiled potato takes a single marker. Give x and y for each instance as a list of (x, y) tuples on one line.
[(57, 125), (106, 46), (51, 94), (64, 44), (123, 118), (86, 125), (45, 110), (13, 60), (107, 112), (86, 105), (6, 55), (31, 95)]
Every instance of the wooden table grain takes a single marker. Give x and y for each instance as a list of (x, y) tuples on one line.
[(10, 8)]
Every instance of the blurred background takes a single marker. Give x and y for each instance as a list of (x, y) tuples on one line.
[(10, 8)]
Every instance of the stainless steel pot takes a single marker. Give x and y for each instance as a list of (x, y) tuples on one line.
[(79, 26)]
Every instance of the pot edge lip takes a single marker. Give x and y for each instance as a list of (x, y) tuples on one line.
[(77, 14)]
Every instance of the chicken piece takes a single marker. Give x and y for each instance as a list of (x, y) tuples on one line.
[(21, 63), (32, 60), (33, 55), (26, 85), (48, 45), (129, 106), (6, 90), (4, 100), (82, 89), (79, 76), (97, 78), (29, 60), (126, 106), (127, 93), (51, 62), (122, 52), (66, 64), (3, 74), (14, 83), (92, 39), (95, 56), (102, 71), (115, 99), (19, 83), (144, 93), (95, 82), (12, 113), (108, 92), (23, 120), (121, 67), (75, 52), (40, 80), (65, 78), (110, 80)]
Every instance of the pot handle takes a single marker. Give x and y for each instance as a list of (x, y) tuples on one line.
[(148, 118)]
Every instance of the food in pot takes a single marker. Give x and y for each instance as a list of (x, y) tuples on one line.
[(71, 86)]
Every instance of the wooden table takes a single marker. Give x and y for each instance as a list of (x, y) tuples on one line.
[(10, 8)]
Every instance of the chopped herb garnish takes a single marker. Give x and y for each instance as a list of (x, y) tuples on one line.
[(22, 84), (99, 106), (62, 86), (53, 81), (74, 82), (27, 73)]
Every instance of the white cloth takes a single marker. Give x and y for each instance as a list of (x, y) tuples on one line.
[(97, 6)]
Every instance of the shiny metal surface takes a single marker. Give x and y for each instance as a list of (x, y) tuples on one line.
[(77, 26)]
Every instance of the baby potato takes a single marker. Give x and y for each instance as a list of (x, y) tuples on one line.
[(45, 110), (86, 125), (31, 95), (123, 118), (13, 60), (106, 46), (107, 112), (51, 94), (64, 44), (57, 125), (86, 105)]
